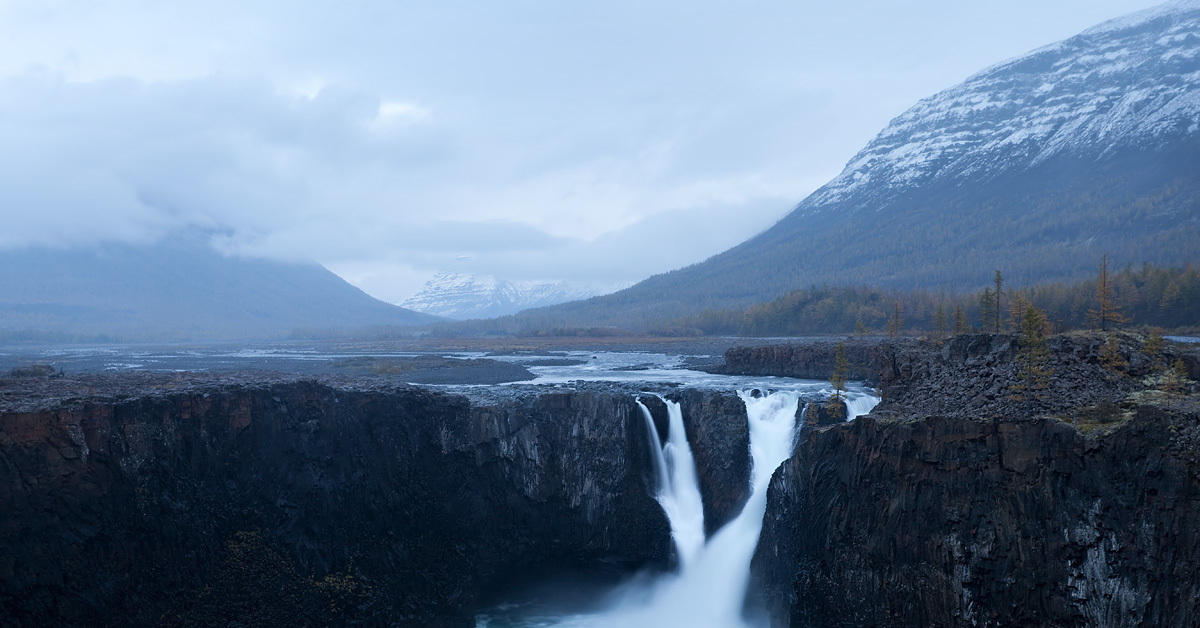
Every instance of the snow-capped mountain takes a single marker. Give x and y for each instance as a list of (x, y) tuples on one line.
[(461, 296), (1131, 83), (1036, 166)]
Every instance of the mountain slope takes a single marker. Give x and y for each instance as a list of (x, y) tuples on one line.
[(459, 296), (176, 290), (1036, 166)]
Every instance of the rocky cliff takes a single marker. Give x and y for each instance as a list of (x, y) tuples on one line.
[(951, 522), (952, 504), (969, 376), (291, 502)]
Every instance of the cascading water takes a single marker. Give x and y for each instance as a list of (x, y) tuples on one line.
[(678, 488), (709, 590), (858, 404)]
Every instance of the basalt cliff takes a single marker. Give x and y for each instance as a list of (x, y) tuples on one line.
[(198, 501), (952, 504)]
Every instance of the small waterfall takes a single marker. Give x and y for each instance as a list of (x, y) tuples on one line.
[(678, 488), (858, 404)]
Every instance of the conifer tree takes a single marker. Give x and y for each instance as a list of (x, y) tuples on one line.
[(961, 326), (1153, 347), (999, 280), (896, 320), (1110, 355), (940, 324), (1016, 309), (1175, 381), (838, 378), (1033, 357), (987, 309), (1106, 311)]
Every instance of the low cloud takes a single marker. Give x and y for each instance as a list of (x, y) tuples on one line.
[(389, 141), (346, 178)]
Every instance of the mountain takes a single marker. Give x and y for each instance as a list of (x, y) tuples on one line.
[(460, 296), (1036, 166), (179, 289)]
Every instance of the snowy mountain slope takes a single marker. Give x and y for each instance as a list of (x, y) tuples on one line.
[(1036, 166), (460, 296), (1128, 83)]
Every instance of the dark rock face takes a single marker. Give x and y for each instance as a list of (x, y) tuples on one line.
[(300, 503), (720, 440), (810, 360), (950, 522), (824, 413)]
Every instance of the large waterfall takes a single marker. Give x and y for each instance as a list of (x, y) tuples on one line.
[(709, 589)]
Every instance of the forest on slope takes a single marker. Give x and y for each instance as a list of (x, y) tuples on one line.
[(1150, 296), (1146, 296)]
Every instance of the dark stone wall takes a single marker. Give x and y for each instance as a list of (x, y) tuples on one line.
[(951, 522), (810, 360), (307, 504)]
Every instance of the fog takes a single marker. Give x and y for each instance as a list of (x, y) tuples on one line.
[(601, 142)]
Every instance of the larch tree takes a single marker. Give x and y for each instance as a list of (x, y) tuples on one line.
[(999, 281), (961, 326), (1175, 382), (1153, 348), (896, 321), (987, 309), (1033, 359), (1106, 311), (1111, 357), (940, 324), (841, 370)]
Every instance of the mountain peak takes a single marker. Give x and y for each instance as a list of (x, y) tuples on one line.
[(463, 296), (1138, 18), (1128, 82)]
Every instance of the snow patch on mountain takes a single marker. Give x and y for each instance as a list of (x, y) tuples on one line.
[(463, 296), (1132, 82)]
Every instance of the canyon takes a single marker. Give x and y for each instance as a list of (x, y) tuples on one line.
[(252, 500)]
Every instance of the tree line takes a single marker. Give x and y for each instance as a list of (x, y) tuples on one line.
[(1147, 296)]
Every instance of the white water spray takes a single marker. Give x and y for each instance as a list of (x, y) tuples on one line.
[(709, 590), (858, 404), (678, 488)]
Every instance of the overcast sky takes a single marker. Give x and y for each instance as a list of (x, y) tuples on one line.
[(598, 141)]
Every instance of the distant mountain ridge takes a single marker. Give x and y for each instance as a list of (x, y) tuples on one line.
[(178, 289), (463, 296), (1036, 166)]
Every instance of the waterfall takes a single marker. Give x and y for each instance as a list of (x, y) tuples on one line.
[(858, 404), (709, 589), (678, 488)]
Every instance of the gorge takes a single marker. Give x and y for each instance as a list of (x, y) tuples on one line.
[(206, 499)]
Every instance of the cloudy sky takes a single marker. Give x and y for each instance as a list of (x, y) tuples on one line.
[(593, 141)]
